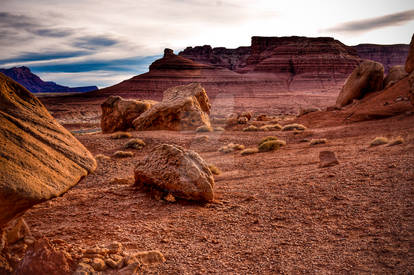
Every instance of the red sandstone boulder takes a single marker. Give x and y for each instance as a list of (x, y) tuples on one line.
[(39, 159), (178, 171), (118, 113), (395, 74), (366, 78), (182, 108), (409, 63)]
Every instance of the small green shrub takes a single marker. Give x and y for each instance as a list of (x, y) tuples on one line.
[(379, 141), (135, 143), (295, 126), (119, 135)]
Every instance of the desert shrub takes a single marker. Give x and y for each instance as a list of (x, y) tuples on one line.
[(231, 147), (318, 141), (271, 145), (135, 143), (294, 126), (242, 120), (397, 141), (214, 169), (251, 128), (267, 139), (119, 135), (204, 128), (201, 139), (249, 151), (122, 154), (218, 129), (379, 141), (272, 127), (101, 157)]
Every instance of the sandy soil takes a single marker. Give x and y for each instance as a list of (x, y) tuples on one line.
[(275, 212)]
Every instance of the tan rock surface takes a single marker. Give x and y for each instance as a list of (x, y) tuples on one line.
[(182, 108), (395, 74), (366, 78), (39, 159), (177, 170)]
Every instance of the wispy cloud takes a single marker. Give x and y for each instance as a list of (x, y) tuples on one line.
[(94, 42), (43, 56), (373, 23)]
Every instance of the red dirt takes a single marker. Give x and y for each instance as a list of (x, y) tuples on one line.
[(276, 212)]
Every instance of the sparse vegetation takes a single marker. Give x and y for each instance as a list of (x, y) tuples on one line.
[(294, 126), (251, 128), (318, 141), (271, 145), (135, 143), (249, 151), (214, 169), (397, 141), (271, 127), (101, 157), (119, 135), (204, 128), (123, 154), (267, 139), (201, 139), (379, 141), (218, 129), (231, 147)]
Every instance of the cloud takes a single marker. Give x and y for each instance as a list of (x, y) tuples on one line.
[(43, 56), (374, 23), (94, 42)]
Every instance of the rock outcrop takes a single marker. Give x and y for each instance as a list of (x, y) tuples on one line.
[(39, 159), (182, 108), (366, 78), (409, 63), (33, 83), (395, 74), (178, 171), (388, 55), (118, 113)]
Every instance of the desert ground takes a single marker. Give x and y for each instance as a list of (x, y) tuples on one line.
[(274, 212)]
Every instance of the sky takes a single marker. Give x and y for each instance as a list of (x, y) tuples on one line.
[(102, 42)]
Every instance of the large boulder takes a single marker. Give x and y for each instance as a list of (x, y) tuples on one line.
[(39, 159), (118, 113), (395, 74), (183, 107), (409, 63), (178, 171), (366, 78)]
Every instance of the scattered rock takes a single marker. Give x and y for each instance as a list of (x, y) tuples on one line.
[(308, 110), (395, 74), (118, 113), (42, 258), (177, 170), (147, 257), (169, 198), (409, 63), (379, 141), (242, 120), (366, 78), (84, 269), (182, 108), (39, 158), (327, 159), (397, 141), (98, 264), (114, 247), (263, 118)]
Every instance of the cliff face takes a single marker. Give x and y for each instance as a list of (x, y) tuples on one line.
[(388, 55), (34, 84)]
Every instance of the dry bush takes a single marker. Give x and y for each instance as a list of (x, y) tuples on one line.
[(267, 139), (379, 141), (201, 139), (218, 129), (121, 181), (318, 141), (204, 128), (135, 143), (397, 141), (294, 126), (231, 147), (271, 145), (251, 128), (119, 135), (101, 157), (214, 169), (122, 154), (271, 127), (242, 120), (249, 151)]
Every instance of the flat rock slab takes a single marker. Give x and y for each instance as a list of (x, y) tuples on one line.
[(39, 159), (327, 159)]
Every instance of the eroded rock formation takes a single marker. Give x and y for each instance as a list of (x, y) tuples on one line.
[(409, 63), (118, 113), (182, 108), (178, 171), (39, 159), (395, 74), (366, 78)]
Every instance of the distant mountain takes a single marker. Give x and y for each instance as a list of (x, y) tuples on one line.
[(33, 83)]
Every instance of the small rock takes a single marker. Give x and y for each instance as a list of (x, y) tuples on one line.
[(83, 269), (131, 269), (327, 158), (114, 248), (98, 264), (169, 198), (115, 261)]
